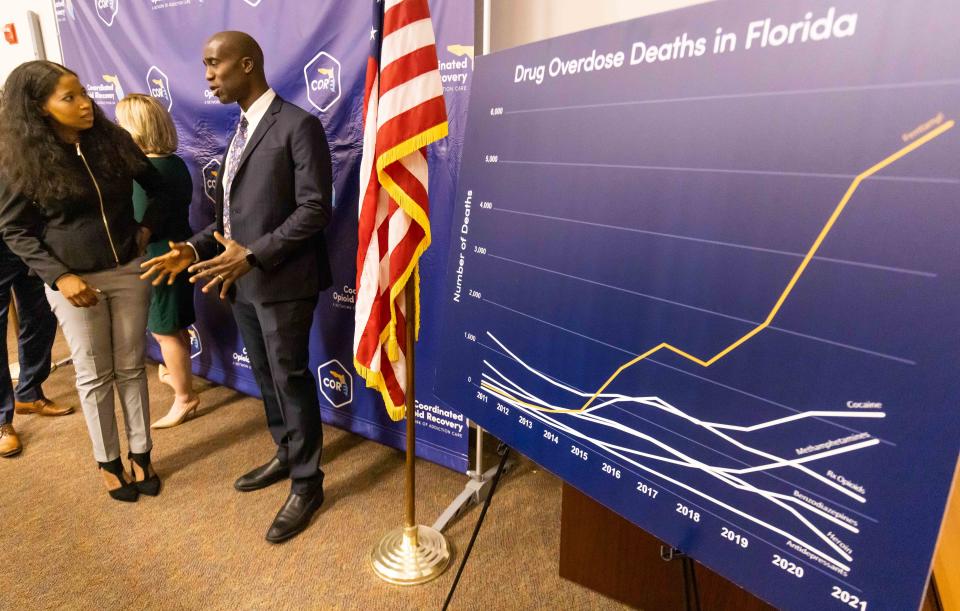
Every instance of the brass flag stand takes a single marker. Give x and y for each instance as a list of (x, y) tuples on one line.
[(414, 553)]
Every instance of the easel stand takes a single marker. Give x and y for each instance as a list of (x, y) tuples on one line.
[(476, 529), (476, 490), (691, 593), (412, 554)]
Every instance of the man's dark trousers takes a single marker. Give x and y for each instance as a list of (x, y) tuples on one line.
[(277, 339), (38, 328)]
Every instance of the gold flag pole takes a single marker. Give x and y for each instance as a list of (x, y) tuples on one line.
[(414, 553)]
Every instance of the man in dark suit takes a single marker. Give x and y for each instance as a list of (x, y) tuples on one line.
[(266, 253)]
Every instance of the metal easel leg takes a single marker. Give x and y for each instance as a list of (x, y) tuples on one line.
[(476, 489), (61, 363)]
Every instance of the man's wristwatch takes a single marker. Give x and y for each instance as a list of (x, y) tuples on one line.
[(251, 258)]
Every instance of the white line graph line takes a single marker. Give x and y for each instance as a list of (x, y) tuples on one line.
[(783, 497), (677, 369), (620, 427), (707, 510), (798, 540), (734, 481), (644, 400), (686, 461), (766, 467), (724, 474), (677, 412), (810, 414), (616, 398), (663, 405)]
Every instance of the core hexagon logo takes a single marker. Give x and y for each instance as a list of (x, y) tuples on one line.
[(107, 10), (322, 78), (336, 383), (114, 81), (196, 346), (464, 51), (211, 175), (159, 86)]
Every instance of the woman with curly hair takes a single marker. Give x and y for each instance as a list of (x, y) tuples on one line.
[(66, 183)]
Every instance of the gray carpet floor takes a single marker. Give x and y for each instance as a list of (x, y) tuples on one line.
[(64, 544)]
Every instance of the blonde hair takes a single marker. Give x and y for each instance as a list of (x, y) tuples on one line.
[(149, 124)]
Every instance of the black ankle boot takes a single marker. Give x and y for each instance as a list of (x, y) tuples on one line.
[(149, 486), (127, 491)]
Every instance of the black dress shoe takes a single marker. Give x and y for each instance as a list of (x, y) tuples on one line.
[(295, 515), (263, 476)]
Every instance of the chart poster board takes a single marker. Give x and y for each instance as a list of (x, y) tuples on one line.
[(704, 267)]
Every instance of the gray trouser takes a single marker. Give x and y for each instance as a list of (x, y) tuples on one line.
[(107, 343)]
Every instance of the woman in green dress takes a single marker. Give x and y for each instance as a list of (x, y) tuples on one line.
[(171, 306)]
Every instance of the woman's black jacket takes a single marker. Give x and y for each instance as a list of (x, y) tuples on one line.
[(82, 234)]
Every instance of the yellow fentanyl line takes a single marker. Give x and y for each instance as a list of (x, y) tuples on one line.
[(786, 291), (947, 558)]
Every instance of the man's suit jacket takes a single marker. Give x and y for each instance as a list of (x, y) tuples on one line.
[(280, 202)]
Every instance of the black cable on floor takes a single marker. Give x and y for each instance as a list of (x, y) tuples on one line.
[(693, 580), (691, 593), (476, 529)]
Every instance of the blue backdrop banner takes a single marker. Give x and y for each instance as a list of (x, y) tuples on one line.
[(706, 270), (316, 55)]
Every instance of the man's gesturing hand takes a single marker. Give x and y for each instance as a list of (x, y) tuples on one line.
[(224, 269), (168, 265)]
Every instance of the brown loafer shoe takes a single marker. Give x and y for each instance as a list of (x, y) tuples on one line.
[(9, 441), (44, 407)]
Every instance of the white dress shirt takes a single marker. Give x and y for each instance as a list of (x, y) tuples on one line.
[(253, 114)]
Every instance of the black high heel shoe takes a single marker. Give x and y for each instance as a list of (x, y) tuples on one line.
[(149, 486), (127, 492)]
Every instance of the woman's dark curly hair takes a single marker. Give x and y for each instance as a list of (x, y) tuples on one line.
[(33, 159)]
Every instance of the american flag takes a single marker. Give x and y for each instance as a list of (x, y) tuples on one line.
[(404, 111)]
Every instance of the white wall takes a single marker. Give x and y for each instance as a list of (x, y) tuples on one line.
[(518, 22), (15, 11)]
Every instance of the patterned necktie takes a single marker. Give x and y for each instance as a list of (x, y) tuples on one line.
[(233, 162)]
